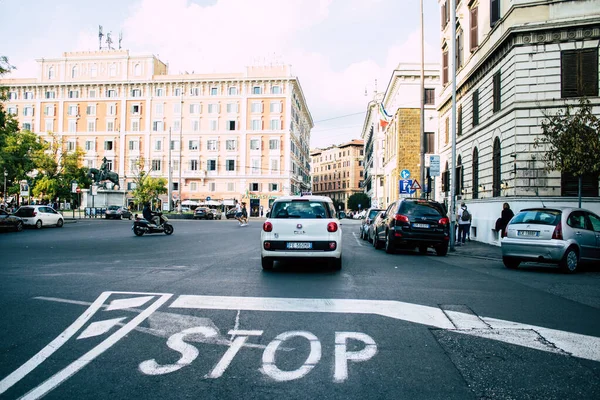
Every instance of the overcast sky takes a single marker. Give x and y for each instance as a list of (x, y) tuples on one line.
[(337, 48)]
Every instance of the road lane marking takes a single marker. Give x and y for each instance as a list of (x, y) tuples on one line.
[(357, 239), (99, 328), (61, 339), (467, 323), (388, 308), (575, 344)]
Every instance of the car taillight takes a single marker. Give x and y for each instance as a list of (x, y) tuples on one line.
[(34, 213), (332, 227), (267, 245), (557, 234), (401, 218), (267, 226), (444, 221)]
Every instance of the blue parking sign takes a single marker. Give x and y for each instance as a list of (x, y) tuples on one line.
[(404, 186)]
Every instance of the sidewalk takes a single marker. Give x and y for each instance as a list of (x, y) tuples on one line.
[(477, 250)]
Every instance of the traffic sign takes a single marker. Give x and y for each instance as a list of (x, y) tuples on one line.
[(207, 198), (434, 165), (415, 185), (405, 174), (405, 186)]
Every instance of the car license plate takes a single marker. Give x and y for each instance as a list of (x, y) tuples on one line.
[(420, 226), (299, 246), (529, 233)]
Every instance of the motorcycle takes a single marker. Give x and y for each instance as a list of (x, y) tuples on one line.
[(142, 225)]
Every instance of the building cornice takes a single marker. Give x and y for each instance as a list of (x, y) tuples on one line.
[(518, 37)]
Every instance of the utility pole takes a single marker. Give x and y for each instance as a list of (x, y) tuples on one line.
[(453, 130), (170, 172), (180, 147), (422, 163)]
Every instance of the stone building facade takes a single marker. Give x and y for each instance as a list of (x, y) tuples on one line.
[(337, 171), (230, 136), (516, 60)]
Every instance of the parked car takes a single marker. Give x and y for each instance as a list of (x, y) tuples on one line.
[(563, 236), (39, 216), (117, 212), (413, 223), (216, 213), (203, 213), (369, 215), (230, 213), (8, 221), (302, 227)]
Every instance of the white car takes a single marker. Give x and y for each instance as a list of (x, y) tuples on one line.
[(39, 216), (302, 227)]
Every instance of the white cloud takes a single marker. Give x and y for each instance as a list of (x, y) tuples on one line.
[(231, 34), (225, 36)]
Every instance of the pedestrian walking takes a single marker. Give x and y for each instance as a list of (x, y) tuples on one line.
[(238, 213), (244, 218), (261, 211), (464, 223), (505, 217)]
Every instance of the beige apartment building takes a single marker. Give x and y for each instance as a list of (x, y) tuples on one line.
[(337, 171), (230, 136)]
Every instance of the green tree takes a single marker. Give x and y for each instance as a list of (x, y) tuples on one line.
[(56, 169), (147, 188), (339, 205), (359, 198), (571, 141)]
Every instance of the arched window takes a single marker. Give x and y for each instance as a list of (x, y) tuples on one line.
[(475, 173), (446, 179), (137, 70), (74, 72), (51, 73), (496, 168), (112, 71)]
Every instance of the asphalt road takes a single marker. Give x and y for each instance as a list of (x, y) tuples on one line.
[(90, 311)]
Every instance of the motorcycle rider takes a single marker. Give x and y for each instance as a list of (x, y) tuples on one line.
[(149, 215)]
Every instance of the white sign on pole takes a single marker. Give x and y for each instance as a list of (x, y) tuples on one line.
[(434, 165)]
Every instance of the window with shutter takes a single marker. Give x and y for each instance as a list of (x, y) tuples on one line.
[(445, 67), (476, 107), (443, 17), (459, 48), (494, 12), (569, 185), (579, 73), (474, 39), (496, 92), (497, 168)]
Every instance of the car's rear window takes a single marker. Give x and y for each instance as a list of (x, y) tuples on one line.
[(539, 216), (25, 212), (300, 209), (373, 213), (113, 207), (421, 209)]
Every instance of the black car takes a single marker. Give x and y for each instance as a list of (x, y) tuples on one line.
[(413, 223), (203, 213), (230, 213), (8, 221)]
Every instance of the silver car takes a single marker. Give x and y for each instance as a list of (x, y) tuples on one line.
[(564, 236)]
